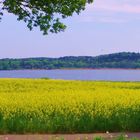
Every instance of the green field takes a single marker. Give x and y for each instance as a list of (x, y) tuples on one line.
[(58, 106)]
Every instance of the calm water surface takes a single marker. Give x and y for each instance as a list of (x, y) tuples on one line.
[(106, 74)]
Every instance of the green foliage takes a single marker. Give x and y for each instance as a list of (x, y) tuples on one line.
[(98, 138), (43, 13), (117, 60), (134, 138), (121, 137), (45, 78)]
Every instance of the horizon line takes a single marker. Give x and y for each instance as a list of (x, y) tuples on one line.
[(68, 56)]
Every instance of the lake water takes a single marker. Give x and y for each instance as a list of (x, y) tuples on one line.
[(106, 74)]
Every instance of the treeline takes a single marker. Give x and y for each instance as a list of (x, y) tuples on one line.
[(116, 60)]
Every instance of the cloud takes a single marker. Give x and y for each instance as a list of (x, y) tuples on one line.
[(111, 20), (101, 19), (115, 6), (112, 11)]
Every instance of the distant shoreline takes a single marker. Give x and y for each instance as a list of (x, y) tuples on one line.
[(117, 61), (75, 69)]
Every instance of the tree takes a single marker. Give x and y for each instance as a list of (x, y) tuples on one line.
[(45, 14)]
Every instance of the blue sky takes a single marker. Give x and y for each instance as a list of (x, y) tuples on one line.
[(106, 26)]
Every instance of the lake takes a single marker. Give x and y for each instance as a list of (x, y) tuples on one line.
[(102, 74)]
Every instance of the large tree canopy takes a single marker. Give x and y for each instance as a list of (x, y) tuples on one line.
[(45, 14)]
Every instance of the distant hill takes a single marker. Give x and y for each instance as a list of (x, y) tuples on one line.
[(116, 60)]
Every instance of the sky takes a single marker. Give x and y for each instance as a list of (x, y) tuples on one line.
[(106, 26)]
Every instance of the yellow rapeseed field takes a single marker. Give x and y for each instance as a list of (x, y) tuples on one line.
[(58, 106)]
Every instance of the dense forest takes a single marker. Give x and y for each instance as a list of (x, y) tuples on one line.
[(116, 60)]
